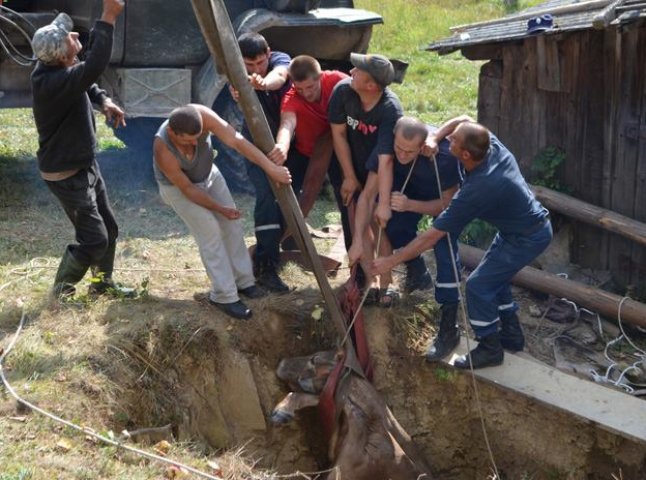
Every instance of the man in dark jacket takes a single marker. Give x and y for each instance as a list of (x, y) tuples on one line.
[(64, 90)]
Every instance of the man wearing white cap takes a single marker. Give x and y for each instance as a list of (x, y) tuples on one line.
[(64, 90)]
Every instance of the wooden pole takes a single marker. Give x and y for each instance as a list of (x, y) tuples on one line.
[(591, 214), (595, 299), (220, 37)]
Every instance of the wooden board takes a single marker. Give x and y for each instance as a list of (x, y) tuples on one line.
[(610, 409)]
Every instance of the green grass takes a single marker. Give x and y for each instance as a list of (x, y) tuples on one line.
[(436, 88)]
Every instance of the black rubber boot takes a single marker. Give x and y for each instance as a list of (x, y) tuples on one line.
[(449, 335), (268, 278), (417, 276), (511, 333), (488, 353), (102, 282), (70, 272), (102, 285)]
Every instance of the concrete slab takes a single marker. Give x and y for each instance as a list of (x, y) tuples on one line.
[(610, 409)]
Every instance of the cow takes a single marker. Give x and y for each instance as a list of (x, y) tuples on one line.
[(366, 441)]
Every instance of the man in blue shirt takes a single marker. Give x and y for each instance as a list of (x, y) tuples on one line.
[(268, 75), (416, 193), (495, 191)]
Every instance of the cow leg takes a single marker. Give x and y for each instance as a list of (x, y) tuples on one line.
[(288, 406)]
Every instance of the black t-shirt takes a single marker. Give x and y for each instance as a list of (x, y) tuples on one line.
[(368, 132)]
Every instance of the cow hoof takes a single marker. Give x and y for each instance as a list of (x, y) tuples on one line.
[(280, 417)]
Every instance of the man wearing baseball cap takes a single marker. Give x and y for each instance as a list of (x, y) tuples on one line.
[(362, 114), (64, 90)]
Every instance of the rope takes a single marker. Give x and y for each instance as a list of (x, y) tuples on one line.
[(365, 294), (85, 430), (466, 326), (363, 298)]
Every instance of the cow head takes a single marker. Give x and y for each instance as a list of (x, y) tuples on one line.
[(308, 373)]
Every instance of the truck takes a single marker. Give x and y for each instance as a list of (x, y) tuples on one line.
[(160, 59)]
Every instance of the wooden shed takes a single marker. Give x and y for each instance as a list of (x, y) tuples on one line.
[(580, 87)]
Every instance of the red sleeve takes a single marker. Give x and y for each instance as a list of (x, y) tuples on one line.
[(290, 101)]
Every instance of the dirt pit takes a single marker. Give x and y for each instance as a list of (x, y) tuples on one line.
[(213, 379)]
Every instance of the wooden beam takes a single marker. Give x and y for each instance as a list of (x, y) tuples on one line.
[(595, 299), (602, 19), (591, 214)]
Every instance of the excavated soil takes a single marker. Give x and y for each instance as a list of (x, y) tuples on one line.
[(213, 380)]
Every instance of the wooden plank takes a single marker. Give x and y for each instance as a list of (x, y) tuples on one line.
[(489, 91), (609, 409), (507, 112), (610, 60), (638, 274), (623, 179), (548, 64), (528, 98)]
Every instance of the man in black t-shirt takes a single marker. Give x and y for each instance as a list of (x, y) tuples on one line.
[(362, 113)]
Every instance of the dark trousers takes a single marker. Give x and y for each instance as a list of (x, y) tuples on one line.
[(488, 288), (335, 174), (85, 201), (402, 229), (269, 223)]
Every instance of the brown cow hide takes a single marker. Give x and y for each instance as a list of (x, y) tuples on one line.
[(367, 442)]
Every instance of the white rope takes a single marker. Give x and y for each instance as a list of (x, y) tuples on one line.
[(365, 294), (85, 430), (456, 277), (363, 299)]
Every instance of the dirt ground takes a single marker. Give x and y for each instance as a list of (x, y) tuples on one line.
[(214, 382)]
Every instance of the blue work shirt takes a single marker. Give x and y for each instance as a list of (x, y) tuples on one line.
[(422, 184), (496, 192)]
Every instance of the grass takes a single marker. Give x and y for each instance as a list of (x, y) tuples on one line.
[(60, 360)]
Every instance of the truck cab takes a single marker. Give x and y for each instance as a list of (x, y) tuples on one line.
[(160, 59)]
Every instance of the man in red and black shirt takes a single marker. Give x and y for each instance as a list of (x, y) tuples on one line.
[(303, 120)]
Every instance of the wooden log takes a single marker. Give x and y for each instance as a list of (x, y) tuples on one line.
[(602, 19), (591, 214), (595, 299)]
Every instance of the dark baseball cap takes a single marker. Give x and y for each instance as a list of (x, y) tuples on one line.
[(49, 41), (378, 66)]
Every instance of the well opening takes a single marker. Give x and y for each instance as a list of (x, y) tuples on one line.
[(215, 382)]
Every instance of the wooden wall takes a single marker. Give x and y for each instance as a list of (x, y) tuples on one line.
[(585, 93)]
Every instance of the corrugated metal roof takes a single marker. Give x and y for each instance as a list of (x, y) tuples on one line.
[(514, 27)]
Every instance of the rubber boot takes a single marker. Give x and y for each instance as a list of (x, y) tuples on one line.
[(511, 333), (417, 276), (449, 335), (268, 278), (70, 272), (102, 282), (488, 353)]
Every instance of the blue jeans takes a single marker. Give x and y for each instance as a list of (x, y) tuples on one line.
[(268, 219), (402, 229), (488, 288)]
